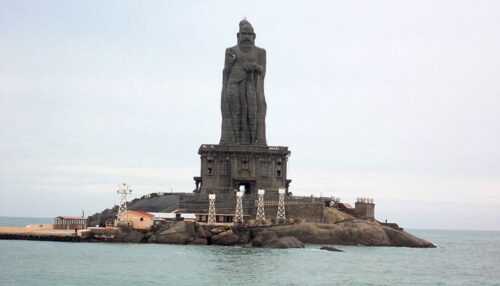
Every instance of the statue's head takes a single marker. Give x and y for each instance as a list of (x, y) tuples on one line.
[(246, 35)]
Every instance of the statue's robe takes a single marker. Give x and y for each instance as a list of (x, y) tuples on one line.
[(243, 103)]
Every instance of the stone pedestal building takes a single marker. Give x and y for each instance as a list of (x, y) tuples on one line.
[(225, 168)]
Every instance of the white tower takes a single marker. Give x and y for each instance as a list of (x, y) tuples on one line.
[(261, 214), (238, 213), (211, 209), (280, 215), (123, 191)]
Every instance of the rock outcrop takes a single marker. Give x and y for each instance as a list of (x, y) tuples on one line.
[(340, 229), (129, 235), (285, 242), (270, 239), (333, 215), (227, 237), (351, 232), (354, 232), (177, 233)]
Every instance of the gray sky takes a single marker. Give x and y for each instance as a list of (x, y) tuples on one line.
[(395, 100)]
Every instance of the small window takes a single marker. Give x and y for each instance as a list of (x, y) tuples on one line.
[(210, 171), (278, 173), (278, 163), (142, 219)]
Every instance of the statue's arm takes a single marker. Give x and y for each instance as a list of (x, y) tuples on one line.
[(263, 63), (229, 59)]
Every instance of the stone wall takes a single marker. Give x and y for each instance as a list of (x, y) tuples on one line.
[(309, 212), (306, 209)]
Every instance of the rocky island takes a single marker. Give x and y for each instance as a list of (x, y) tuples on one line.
[(338, 228), (242, 195)]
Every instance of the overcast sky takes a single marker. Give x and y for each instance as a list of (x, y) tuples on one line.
[(395, 100)]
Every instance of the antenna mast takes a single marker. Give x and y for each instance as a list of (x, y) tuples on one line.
[(123, 191)]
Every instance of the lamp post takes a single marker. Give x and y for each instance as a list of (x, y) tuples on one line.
[(238, 212), (211, 209), (280, 215), (261, 214)]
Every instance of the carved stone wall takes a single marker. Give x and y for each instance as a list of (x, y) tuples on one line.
[(225, 167)]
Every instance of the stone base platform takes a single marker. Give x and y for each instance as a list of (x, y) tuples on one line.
[(226, 168)]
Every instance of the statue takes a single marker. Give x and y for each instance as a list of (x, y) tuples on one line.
[(243, 159), (243, 104)]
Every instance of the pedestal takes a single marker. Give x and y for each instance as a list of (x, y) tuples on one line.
[(225, 168)]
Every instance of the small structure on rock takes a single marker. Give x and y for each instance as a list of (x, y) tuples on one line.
[(365, 208), (139, 220)]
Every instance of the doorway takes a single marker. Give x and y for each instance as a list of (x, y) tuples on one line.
[(247, 187)]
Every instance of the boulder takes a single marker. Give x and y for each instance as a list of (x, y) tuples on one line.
[(403, 238), (202, 232), (244, 237), (352, 232), (219, 229), (262, 237), (284, 242), (225, 238), (178, 233), (269, 238), (331, 248), (129, 235)]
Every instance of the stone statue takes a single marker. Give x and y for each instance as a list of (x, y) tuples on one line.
[(243, 103)]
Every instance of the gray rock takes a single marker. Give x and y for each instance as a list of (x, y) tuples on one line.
[(244, 237), (225, 238), (262, 237), (217, 230), (355, 232), (178, 233), (269, 238), (202, 232), (331, 248), (284, 242), (129, 235), (403, 238)]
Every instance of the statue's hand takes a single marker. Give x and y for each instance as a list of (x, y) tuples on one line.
[(253, 67), (258, 68)]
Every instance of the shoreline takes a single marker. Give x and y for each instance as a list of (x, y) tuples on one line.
[(352, 233)]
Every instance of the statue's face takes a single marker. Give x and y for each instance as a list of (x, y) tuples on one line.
[(246, 39)]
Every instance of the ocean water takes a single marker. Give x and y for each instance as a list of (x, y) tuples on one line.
[(462, 258)]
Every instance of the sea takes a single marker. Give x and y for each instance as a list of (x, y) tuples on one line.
[(461, 258)]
